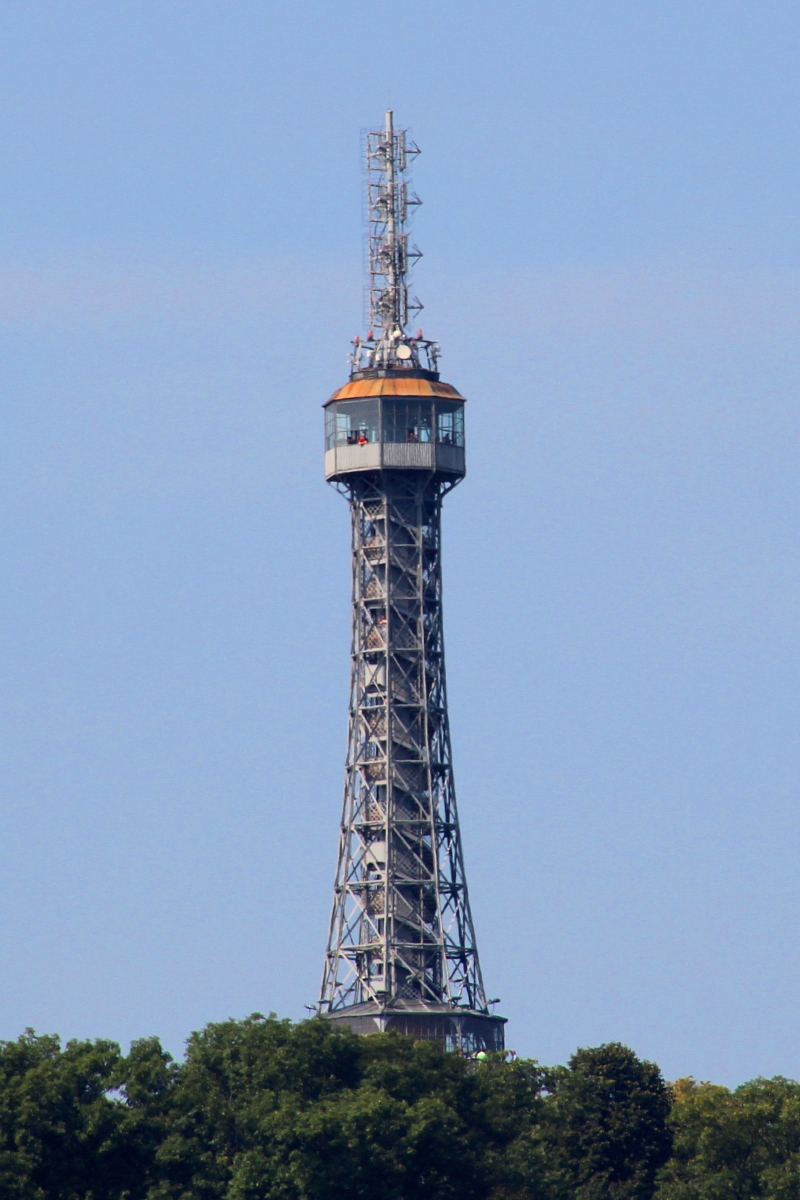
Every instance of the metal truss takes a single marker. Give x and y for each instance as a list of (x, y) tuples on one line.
[(390, 258), (401, 927)]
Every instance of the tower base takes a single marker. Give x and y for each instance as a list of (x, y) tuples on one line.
[(455, 1029)]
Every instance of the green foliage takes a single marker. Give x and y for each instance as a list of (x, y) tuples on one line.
[(735, 1145), (265, 1110), (64, 1135), (605, 1129)]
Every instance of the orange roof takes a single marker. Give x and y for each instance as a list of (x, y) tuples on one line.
[(395, 386)]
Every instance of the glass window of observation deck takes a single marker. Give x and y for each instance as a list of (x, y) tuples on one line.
[(351, 423), (407, 420), (449, 423)]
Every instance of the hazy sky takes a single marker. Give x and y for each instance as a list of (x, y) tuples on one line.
[(611, 232)]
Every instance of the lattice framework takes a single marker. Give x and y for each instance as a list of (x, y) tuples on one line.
[(401, 926)]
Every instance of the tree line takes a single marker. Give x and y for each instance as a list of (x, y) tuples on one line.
[(262, 1109)]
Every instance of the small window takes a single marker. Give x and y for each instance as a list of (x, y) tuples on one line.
[(450, 424), (351, 423), (407, 420), (330, 426)]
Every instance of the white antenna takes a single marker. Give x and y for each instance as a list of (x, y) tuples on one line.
[(388, 345)]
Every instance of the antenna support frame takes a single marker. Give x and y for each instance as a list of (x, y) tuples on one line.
[(388, 345)]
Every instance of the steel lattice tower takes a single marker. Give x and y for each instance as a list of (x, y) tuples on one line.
[(401, 950)]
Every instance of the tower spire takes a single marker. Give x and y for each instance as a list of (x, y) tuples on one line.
[(389, 344)]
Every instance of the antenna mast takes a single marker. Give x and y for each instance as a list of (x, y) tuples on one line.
[(388, 345)]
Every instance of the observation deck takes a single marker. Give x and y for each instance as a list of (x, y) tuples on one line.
[(395, 419)]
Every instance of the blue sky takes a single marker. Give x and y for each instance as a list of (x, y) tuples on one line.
[(612, 264)]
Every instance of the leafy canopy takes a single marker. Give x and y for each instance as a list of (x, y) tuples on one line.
[(265, 1110)]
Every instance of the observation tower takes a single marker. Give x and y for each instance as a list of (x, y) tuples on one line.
[(401, 950)]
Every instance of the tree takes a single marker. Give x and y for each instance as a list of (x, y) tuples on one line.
[(145, 1080), (264, 1110), (57, 1126), (81, 1121), (734, 1145), (605, 1125)]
